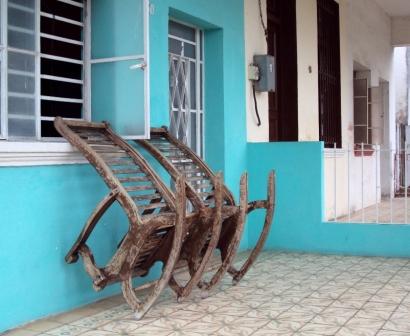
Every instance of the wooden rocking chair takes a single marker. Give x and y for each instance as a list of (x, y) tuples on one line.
[(158, 223), (177, 159)]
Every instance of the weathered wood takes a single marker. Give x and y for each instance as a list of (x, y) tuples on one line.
[(233, 216), (141, 307), (126, 171), (146, 197), (133, 179), (145, 235), (269, 205)]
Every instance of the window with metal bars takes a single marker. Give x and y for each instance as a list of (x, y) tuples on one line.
[(329, 73), (43, 68)]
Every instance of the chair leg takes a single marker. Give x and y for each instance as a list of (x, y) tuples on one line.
[(230, 251)]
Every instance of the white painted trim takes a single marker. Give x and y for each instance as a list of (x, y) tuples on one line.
[(61, 79), (184, 40), (62, 59), (61, 18), (61, 39), (73, 3), (38, 153), (87, 62), (3, 70), (37, 61), (62, 99), (147, 95), (117, 59)]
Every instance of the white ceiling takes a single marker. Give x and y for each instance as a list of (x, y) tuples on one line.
[(395, 7)]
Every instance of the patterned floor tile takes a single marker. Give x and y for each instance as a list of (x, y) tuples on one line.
[(398, 323), (67, 330), (283, 294), (281, 328), (392, 333), (334, 316), (361, 327), (319, 329)]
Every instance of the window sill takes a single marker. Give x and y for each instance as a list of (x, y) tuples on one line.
[(38, 154)]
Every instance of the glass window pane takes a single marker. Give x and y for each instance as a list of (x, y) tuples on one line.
[(1, 110), (175, 46), (201, 87), (192, 85), (21, 127), (182, 31), (21, 40), (201, 134), (189, 50), (21, 84), (193, 132), (21, 106), (201, 41), (21, 62), (21, 24)]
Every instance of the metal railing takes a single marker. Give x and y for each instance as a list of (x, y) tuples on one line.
[(367, 184)]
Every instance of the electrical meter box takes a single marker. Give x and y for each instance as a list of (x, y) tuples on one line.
[(266, 65)]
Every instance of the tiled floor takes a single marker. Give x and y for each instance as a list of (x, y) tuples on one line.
[(386, 211), (284, 294)]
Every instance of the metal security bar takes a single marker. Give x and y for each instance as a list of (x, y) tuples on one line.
[(179, 95), (367, 184)]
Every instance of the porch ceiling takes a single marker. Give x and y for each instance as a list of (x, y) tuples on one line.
[(395, 7)]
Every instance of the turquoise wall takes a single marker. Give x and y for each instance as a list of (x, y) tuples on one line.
[(225, 116), (44, 208), (298, 223)]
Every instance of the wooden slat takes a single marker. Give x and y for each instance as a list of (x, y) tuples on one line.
[(120, 162), (170, 147), (135, 170), (152, 206), (191, 171), (146, 197), (93, 143), (140, 187), (133, 179), (197, 178)]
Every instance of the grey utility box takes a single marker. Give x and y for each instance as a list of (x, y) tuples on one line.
[(266, 65)]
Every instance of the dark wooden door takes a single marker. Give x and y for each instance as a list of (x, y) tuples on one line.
[(329, 72), (283, 103)]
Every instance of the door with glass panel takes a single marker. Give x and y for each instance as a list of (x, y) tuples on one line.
[(119, 69), (186, 85)]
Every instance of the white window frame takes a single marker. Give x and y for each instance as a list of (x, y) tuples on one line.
[(53, 151)]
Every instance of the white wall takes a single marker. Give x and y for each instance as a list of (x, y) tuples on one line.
[(365, 38), (401, 31), (308, 84), (400, 80), (255, 43), (307, 58)]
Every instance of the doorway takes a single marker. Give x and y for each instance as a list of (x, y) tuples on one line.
[(186, 69)]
